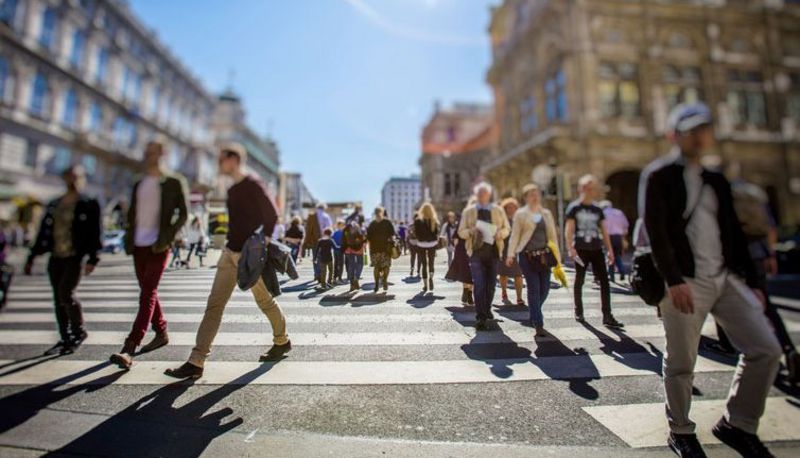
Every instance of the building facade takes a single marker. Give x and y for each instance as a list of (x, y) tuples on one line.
[(587, 86), (401, 196), (294, 197), (455, 143), (229, 124), (83, 82)]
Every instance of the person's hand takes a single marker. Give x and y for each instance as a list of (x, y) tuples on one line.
[(771, 265), (88, 269), (681, 297), (509, 261), (28, 269), (762, 298), (573, 253), (498, 237), (610, 258)]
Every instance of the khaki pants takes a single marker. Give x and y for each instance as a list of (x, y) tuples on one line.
[(741, 315), (221, 290)]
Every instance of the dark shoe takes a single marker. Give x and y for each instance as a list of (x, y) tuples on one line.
[(470, 299), (720, 349), (358, 285), (611, 322), (579, 318), (276, 353), (793, 366), (74, 343), (187, 370), (540, 332), (686, 445), (352, 286), (521, 303), (158, 341), (385, 286), (748, 445), (480, 324), (124, 359), (377, 287), (57, 349)]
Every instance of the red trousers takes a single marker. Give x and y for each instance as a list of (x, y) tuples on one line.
[(149, 268)]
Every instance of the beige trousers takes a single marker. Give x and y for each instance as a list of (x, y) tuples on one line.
[(741, 315), (221, 290)]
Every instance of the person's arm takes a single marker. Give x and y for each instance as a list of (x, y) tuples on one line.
[(96, 237), (504, 229), (464, 231), (569, 234), (183, 212), (513, 241), (552, 233), (607, 243), (35, 249), (267, 210)]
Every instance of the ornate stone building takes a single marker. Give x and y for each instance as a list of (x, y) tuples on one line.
[(587, 85), (455, 142), (83, 81)]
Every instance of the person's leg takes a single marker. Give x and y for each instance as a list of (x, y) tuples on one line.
[(682, 332), (431, 263), (423, 260), (479, 287), (153, 271), (192, 247), (70, 279), (490, 264), (619, 255), (272, 310), (534, 291), (544, 281), (598, 262), (577, 290), (55, 269), (518, 287), (148, 297), (413, 251), (741, 314), (315, 262), (780, 328), (221, 290), (504, 287)]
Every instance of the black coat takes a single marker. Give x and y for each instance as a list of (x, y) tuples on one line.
[(665, 204), (87, 230)]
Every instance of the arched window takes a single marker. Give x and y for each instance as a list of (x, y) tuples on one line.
[(70, 108), (48, 31), (8, 11), (40, 93)]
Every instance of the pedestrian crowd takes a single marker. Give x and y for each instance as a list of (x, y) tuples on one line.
[(703, 256)]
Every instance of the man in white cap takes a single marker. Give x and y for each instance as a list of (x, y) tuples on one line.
[(699, 248)]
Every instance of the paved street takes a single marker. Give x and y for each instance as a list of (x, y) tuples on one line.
[(397, 374)]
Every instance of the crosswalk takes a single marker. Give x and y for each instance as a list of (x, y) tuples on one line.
[(398, 338)]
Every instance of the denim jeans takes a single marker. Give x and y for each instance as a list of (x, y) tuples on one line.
[(619, 265), (538, 282), (355, 264), (338, 264), (483, 266)]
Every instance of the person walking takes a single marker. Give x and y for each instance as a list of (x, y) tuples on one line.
[(194, 237), (484, 227), (534, 244), (71, 230), (413, 248), (586, 236), (449, 232), (506, 271), (250, 208), (156, 215), (617, 226), (279, 233), (380, 235), (294, 237), (357, 216), (402, 232), (315, 224), (353, 241), (459, 269), (325, 258), (426, 227), (177, 244), (338, 254), (701, 252)]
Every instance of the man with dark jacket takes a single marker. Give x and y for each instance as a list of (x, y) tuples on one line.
[(699, 248), (70, 230), (249, 208), (157, 212)]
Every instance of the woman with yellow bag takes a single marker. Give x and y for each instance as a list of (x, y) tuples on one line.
[(534, 241)]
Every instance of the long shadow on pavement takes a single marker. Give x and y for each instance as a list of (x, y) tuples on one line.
[(637, 356), (154, 427)]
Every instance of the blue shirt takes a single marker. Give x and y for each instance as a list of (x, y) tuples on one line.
[(337, 238)]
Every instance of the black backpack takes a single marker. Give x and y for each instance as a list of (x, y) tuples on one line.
[(354, 235)]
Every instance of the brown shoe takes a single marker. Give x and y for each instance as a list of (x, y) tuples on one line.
[(124, 359), (185, 371), (158, 341)]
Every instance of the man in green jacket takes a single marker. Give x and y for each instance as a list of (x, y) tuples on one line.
[(157, 212)]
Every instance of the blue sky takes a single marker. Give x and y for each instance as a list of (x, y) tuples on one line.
[(344, 84)]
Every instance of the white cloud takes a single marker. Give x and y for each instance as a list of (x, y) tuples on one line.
[(387, 25)]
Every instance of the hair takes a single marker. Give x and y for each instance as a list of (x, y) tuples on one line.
[(529, 188), (379, 212), (322, 206), (585, 181), (509, 201), (482, 186), (339, 221), (236, 150), (196, 220), (75, 169), (428, 213), (297, 220), (327, 231)]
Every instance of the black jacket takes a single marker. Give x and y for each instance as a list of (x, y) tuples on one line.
[(172, 216), (665, 204), (423, 230), (261, 260), (87, 231)]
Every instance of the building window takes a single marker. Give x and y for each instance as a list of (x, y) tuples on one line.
[(40, 93), (32, 154), (4, 78), (682, 85), (60, 161), (48, 31), (102, 65), (456, 183), (70, 108), (447, 185), (8, 11), (793, 98), (89, 163), (618, 88), (96, 117), (528, 119), (556, 91), (746, 100), (78, 45)]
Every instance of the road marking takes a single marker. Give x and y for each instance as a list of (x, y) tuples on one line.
[(786, 302), (644, 425), (289, 372), (465, 336)]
